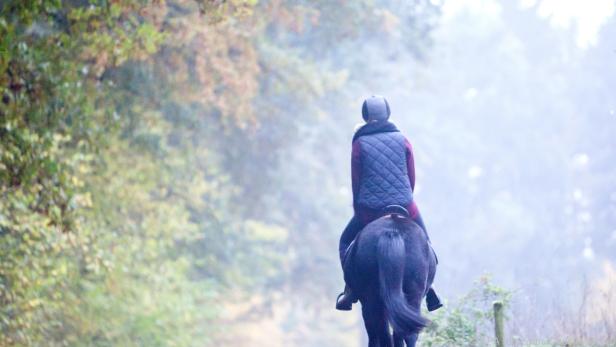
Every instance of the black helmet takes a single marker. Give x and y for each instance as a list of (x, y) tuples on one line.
[(375, 108)]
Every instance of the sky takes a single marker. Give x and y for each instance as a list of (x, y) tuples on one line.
[(584, 18)]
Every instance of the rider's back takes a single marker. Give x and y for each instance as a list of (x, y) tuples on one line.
[(384, 171)]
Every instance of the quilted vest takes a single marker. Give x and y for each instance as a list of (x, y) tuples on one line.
[(384, 172)]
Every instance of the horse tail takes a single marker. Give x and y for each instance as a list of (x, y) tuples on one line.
[(391, 256)]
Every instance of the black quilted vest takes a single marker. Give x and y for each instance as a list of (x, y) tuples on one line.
[(384, 172)]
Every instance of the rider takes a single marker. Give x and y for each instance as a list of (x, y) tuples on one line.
[(383, 173)]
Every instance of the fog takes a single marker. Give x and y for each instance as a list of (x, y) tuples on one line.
[(511, 115), (177, 173)]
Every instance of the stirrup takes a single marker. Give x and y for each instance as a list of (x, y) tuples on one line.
[(343, 306), (433, 301)]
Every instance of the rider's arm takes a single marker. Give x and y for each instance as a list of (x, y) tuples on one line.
[(355, 169), (410, 163)]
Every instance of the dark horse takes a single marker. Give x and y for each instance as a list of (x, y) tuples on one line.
[(391, 266)]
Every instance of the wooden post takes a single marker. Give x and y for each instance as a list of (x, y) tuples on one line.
[(499, 322)]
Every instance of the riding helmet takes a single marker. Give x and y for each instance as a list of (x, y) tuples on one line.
[(375, 108)]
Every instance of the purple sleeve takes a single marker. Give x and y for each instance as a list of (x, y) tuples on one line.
[(410, 163), (355, 169)]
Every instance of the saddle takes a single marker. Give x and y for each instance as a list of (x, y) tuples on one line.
[(396, 212)]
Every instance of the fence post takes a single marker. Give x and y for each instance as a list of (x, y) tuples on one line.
[(499, 322)]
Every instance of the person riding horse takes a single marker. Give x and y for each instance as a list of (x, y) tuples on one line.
[(383, 174)]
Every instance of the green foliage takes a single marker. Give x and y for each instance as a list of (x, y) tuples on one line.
[(89, 257), (468, 322)]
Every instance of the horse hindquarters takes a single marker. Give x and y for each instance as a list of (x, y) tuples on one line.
[(391, 258)]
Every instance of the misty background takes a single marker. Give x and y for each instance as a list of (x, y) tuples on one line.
[(178, 173), (511, 115)]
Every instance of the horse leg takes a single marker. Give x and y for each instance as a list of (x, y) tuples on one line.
[(398, 340), (414, 301), (411, 340), (384, 334), (371, 321)]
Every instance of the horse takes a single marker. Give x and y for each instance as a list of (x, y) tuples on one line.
[(390, 266)]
